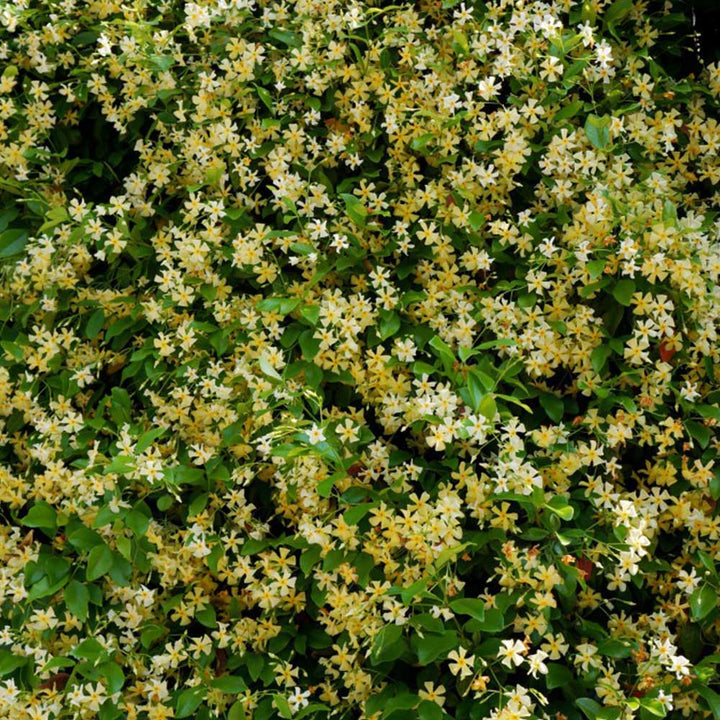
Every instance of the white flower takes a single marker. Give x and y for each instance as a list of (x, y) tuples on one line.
[(547, 247), (586, 32), (461, 662), (536, 663), (339, 242), (298, 699), (584, 657), (405, 350), (196, 16), (688, 581), (104, 45), (512, 652), (689, 391), (666, 700), (315, 435), (680, 666)]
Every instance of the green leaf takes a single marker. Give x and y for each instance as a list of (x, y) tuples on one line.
[(614, 648), (469, 606), (10, 662), (498, 342), (653, 706), (354, 515), (88, 649), (493, 622), (387, 645), (449, 554), (137, 522), (12, 242), (268, 369), (147, 439), (597, 130), (429, 710), (237, 711), (557, 676), (488, 407), (354, 208), (670, 214), (324, 487), (430, 647), (266, 98), (309, 558), (188, 701), (553, 406), (164, 502), (698, 432), (398, 707), (46, 586), (290, 39), (567, 111), (483, 378), (311, 313), (389, 324), (150, 634), (709, 411), (121, 406), (77, 598), (255, 664), (308, 710), (477, 220), (114, 676), (420, 368), (419, 143), (100, 561), (7, 216), (559, 505), (13, 349), (282, 706), (599, 357), (41, 515), (95, 324), (207, 616), (162, 62), (707, 562), (231, 684), (590, 707), (443, 351), (83, 538), (596, 268), (702, 602), (623, 291), (476, 392), (281, 305), (309, 345), (617, 11), (416, 589), (711, 698)]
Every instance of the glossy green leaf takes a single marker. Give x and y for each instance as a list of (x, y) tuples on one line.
[(77, 599), (553, 406), (469, 606), (597, 130), (100, 561), (95, 324), (702, 602), (623, 291), (41, 515), (432, 647), (237, 711), (387, 645), (188, 701)]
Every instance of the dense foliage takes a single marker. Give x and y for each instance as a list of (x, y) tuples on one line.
[(358, 360)]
